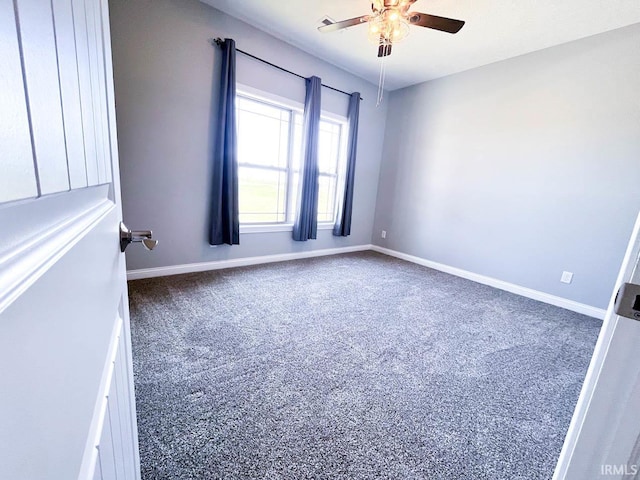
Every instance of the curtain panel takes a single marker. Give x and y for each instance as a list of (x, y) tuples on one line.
[(342, 227), (306, 222), (225, 223)]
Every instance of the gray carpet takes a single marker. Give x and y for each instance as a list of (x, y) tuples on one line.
[(356, 366)]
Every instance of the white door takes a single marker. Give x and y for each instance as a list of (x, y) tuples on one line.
[(604, 436), (66, 393)]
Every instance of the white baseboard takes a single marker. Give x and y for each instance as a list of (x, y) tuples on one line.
[(238, 262), (502, 285), (458, 272)]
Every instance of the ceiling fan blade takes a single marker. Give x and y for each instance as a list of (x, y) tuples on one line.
[(443, 24), (332, 27)]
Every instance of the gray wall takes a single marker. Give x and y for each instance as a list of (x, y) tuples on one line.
[(164, 72), (517, 170), (520, 169)]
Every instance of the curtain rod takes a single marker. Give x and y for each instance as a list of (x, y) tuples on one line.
[(219, 41)]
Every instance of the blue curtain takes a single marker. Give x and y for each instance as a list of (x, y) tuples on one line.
[(342, 228), (306, 223), (225, 223)]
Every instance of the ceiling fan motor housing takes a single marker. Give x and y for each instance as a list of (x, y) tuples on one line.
[(389, 21)]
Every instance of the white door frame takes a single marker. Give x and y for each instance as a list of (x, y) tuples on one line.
[(602, 440)]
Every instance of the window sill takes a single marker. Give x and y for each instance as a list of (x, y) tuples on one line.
[(280, 227)]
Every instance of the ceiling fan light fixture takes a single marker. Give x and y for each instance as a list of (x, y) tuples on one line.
[(400, 30), (387, 27), (376, 29)]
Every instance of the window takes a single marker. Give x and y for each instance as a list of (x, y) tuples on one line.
[(328, 163), (270, 157)]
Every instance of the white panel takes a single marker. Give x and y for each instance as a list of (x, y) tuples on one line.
[(96, 92), (68, 68), (86, 93), (107, 457), (41, 72), (116, 424), (97, 473), (18, 179), (105, 165), (54, 401), (110, 115), (96, 434), (124, 400)]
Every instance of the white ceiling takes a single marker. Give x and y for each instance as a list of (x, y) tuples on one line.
[(495, 30)]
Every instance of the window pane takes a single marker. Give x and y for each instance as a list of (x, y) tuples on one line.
[(326, 198), (328, 147), (258, 107), (293, 196), (297, 142), (263, 139), (296, 163), (329, 127), (262, 195)]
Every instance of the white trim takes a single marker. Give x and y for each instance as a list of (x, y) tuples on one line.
[(260, 95), (325, 226), (245, 90), (458, 272), (90, 455), (277, 227), (500, 284), (266, 228), (239, 262), (20, 267)]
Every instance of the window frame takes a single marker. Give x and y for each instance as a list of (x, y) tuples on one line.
[(295, 108)]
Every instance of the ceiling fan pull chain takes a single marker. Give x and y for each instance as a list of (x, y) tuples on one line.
[(381, 79)]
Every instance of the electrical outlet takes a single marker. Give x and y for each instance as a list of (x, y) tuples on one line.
[(384, 234), (566, 277)]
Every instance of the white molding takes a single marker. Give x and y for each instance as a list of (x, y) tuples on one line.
[(500, 284), (260, 95), (458, 272), (90, 456), (21, 266), (277, 227), (238, 262), (258, 228)]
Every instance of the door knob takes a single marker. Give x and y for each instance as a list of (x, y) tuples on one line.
[(136, 236), (149, 243)]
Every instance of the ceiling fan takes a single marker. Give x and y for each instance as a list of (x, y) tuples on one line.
[(389, 22)]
